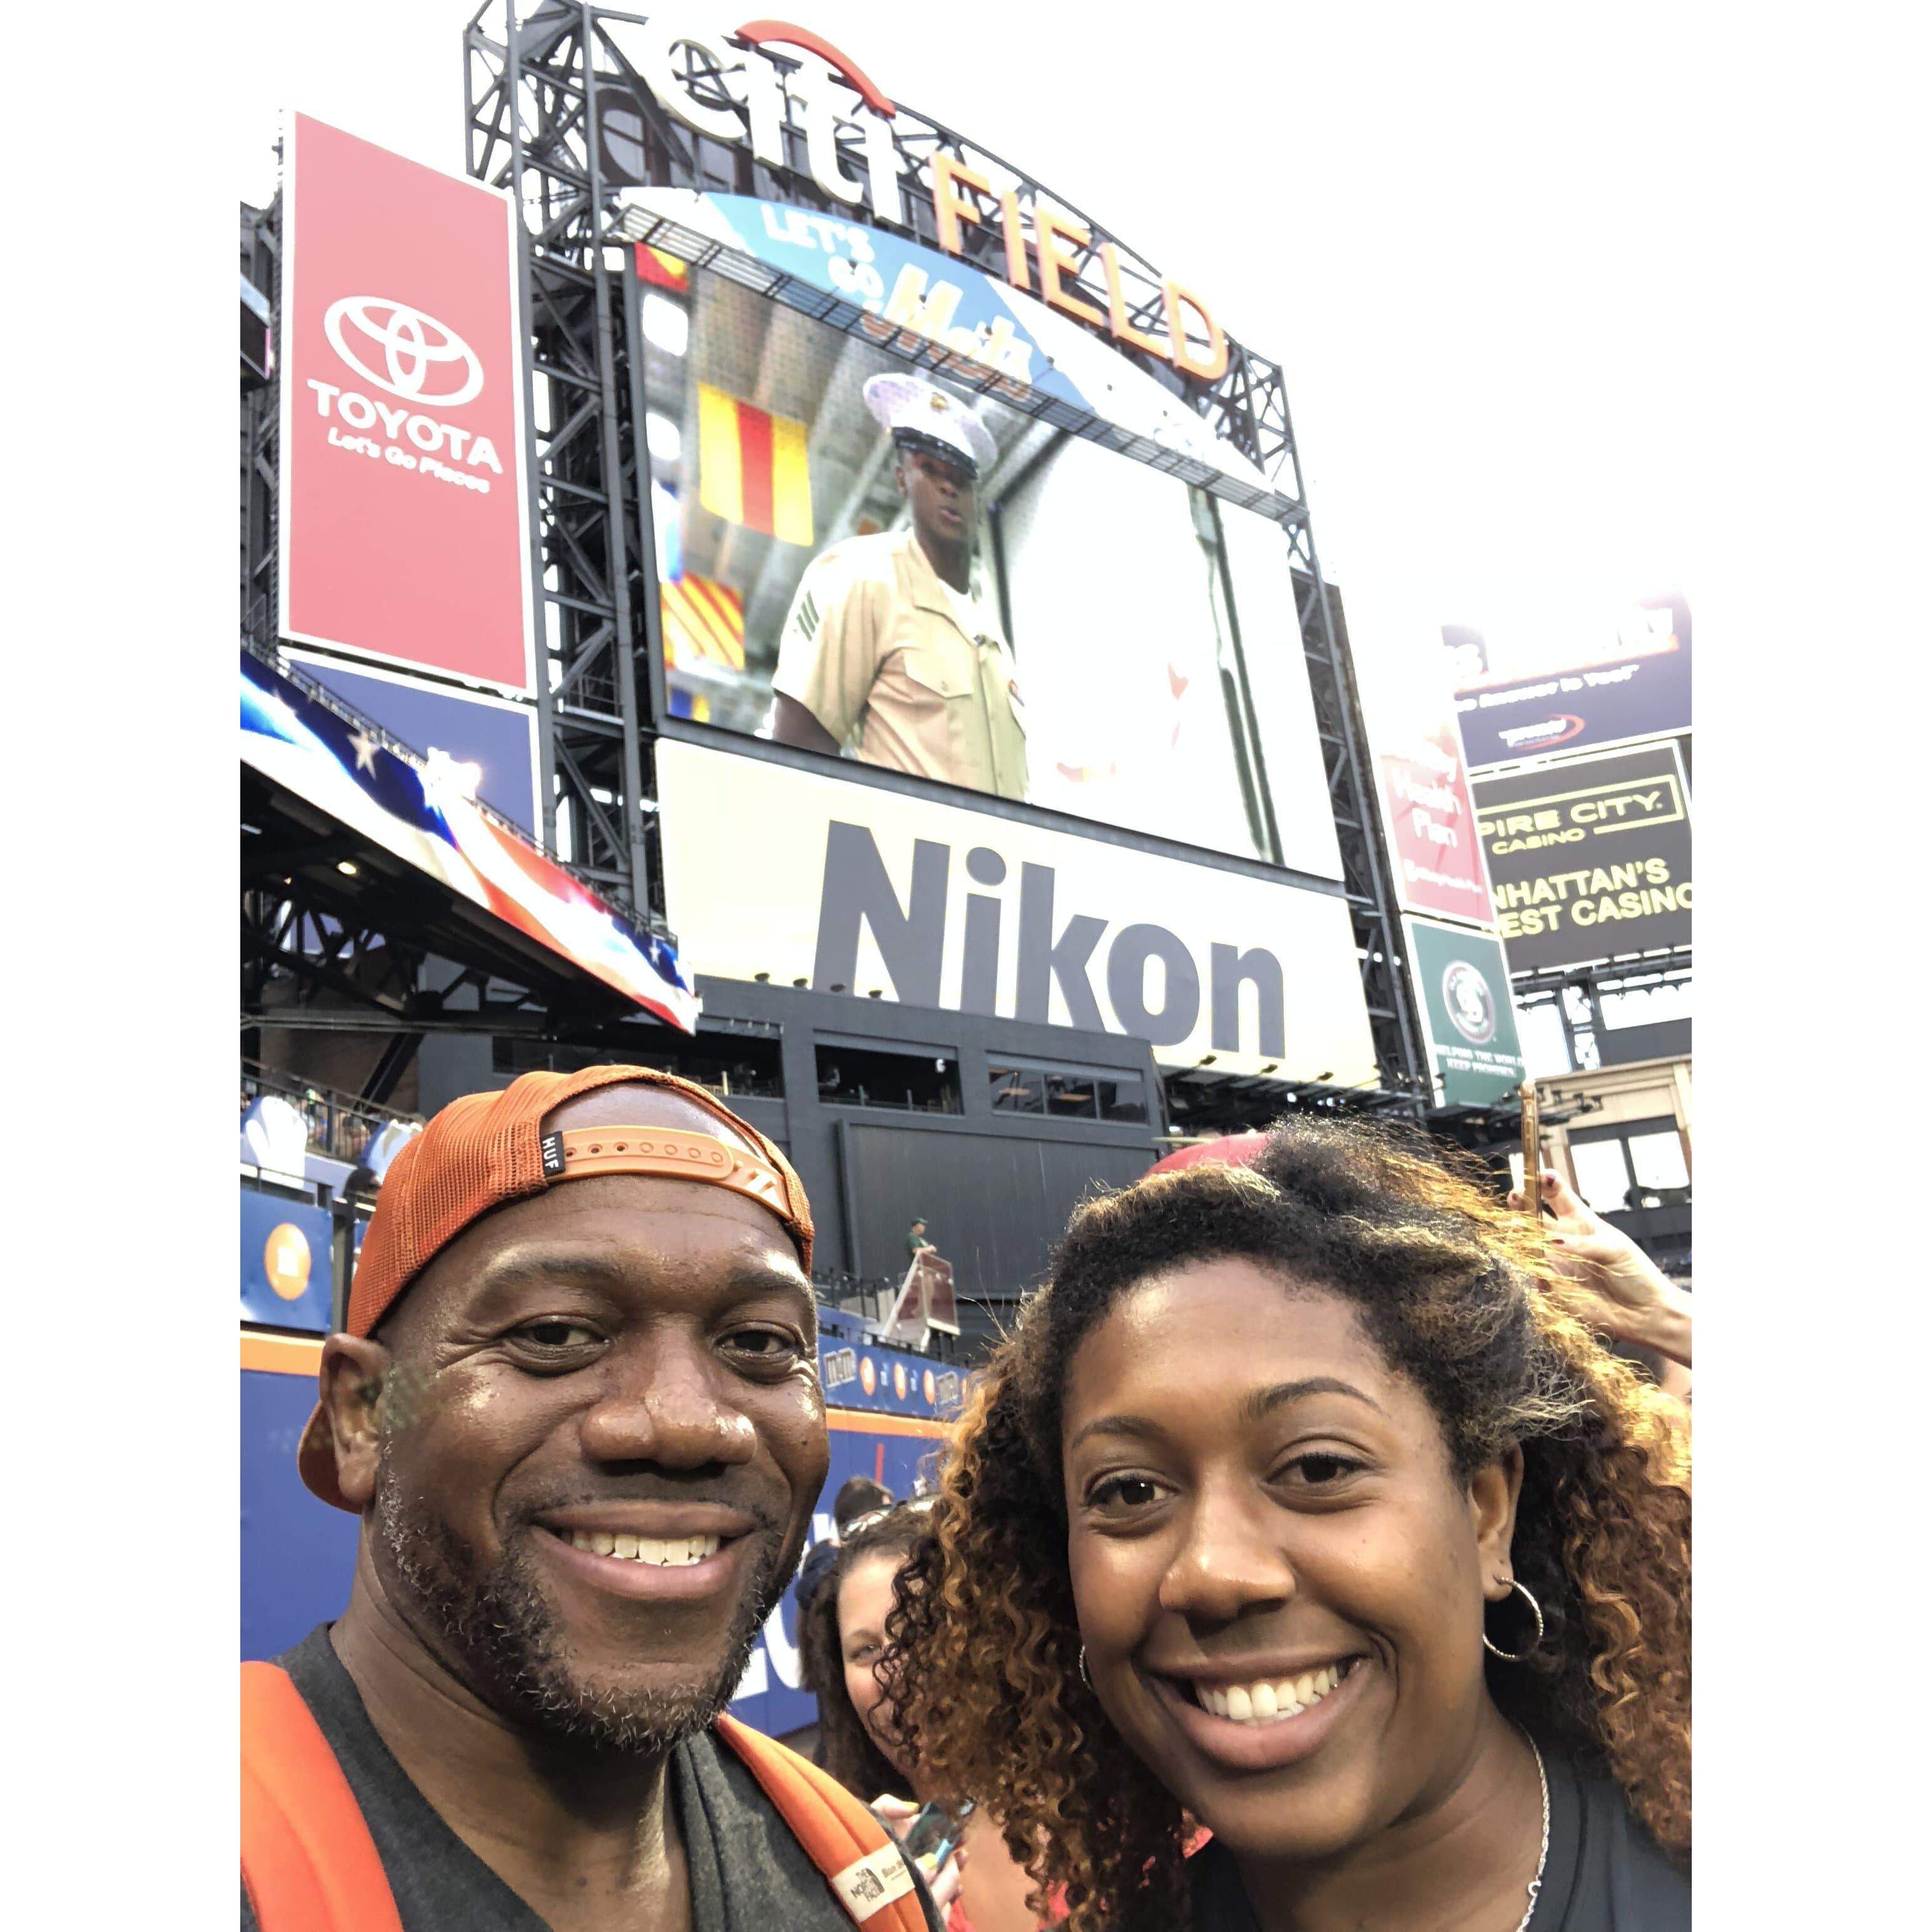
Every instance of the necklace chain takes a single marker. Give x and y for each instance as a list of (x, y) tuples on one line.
[(1543, 1856)]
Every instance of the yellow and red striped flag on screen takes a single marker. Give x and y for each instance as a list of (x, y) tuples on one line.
[(703, 621), (752, 467), (662, 270)]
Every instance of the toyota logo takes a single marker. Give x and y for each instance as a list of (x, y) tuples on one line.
[(409, 346)]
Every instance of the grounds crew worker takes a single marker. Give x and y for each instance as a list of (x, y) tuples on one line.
[(888, 644), (576, 1405)]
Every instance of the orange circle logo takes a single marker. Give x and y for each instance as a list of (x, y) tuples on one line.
[(929, 1385), (869, 1376), (899, 1380), (285, 1256)]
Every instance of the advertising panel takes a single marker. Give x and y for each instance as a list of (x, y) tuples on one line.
[(861, 1374), (904, 568), (1431, 818), (495, 737), (991, 333), (1589, 857), (812, 880), (1461, 979), (402, 445), (1571, 676), (1421, 778), (426, 815), (287, 1269)]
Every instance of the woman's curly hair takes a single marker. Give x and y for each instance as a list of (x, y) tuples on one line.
[(1448, 1282), (847, 1749)]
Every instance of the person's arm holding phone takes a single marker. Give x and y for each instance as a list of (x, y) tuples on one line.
[(1611, 1284)]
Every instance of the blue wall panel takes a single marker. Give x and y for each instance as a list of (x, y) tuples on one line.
[(297, 1554)]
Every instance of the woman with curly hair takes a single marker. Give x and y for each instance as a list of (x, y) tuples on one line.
[(1295, 1508), (841, 1639)]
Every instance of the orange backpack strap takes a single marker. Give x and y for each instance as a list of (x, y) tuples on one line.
[(307, 1860), (861, 1861)]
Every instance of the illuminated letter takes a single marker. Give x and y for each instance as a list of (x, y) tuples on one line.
[(649, 49), (765, 98), (1016, 261), (910, 306), (1117, 306), (1178, 352), (813, 93), (882, 168), (1049, 231), (949, 207), (858, 892)]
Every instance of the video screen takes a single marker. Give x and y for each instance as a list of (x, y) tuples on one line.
[(858, 556)]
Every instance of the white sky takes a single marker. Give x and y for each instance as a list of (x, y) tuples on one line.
[(1463, 232)]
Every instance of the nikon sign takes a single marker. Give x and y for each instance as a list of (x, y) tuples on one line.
[(851, 888)]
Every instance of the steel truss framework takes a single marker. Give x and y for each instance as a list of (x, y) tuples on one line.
[(262, 264), (1577, 992), (533, 78)]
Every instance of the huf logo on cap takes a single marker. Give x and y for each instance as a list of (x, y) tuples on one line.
[(552, 1145)]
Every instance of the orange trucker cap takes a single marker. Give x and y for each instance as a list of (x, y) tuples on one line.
[(486, 1149)]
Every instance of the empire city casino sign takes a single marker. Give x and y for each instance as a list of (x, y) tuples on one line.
[(691, 70)]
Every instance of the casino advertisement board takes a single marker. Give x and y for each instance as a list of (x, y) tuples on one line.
[(1590, 858), (401, 512)]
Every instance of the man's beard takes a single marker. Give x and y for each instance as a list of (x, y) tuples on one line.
[(510, 1652)]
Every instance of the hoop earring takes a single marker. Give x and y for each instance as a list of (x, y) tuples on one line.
[(1536, 1610), (1084, 1678)]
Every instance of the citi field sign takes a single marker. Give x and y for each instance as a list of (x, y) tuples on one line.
[(724, 86)]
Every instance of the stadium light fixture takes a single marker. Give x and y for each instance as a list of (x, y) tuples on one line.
[(347, 868)]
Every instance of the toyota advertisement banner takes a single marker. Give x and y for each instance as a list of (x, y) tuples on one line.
[(402, 524)]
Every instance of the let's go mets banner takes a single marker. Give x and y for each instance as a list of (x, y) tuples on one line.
[(403, 535)]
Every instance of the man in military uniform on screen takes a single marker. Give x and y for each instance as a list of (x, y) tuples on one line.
[(889, 645)]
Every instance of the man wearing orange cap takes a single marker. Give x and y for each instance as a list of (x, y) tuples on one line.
[(576, 1405)]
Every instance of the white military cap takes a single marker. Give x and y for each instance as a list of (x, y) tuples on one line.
[(919, 412)]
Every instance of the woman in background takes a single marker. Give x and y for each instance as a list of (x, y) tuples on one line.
[(1296, 1506), (841, 1643)]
